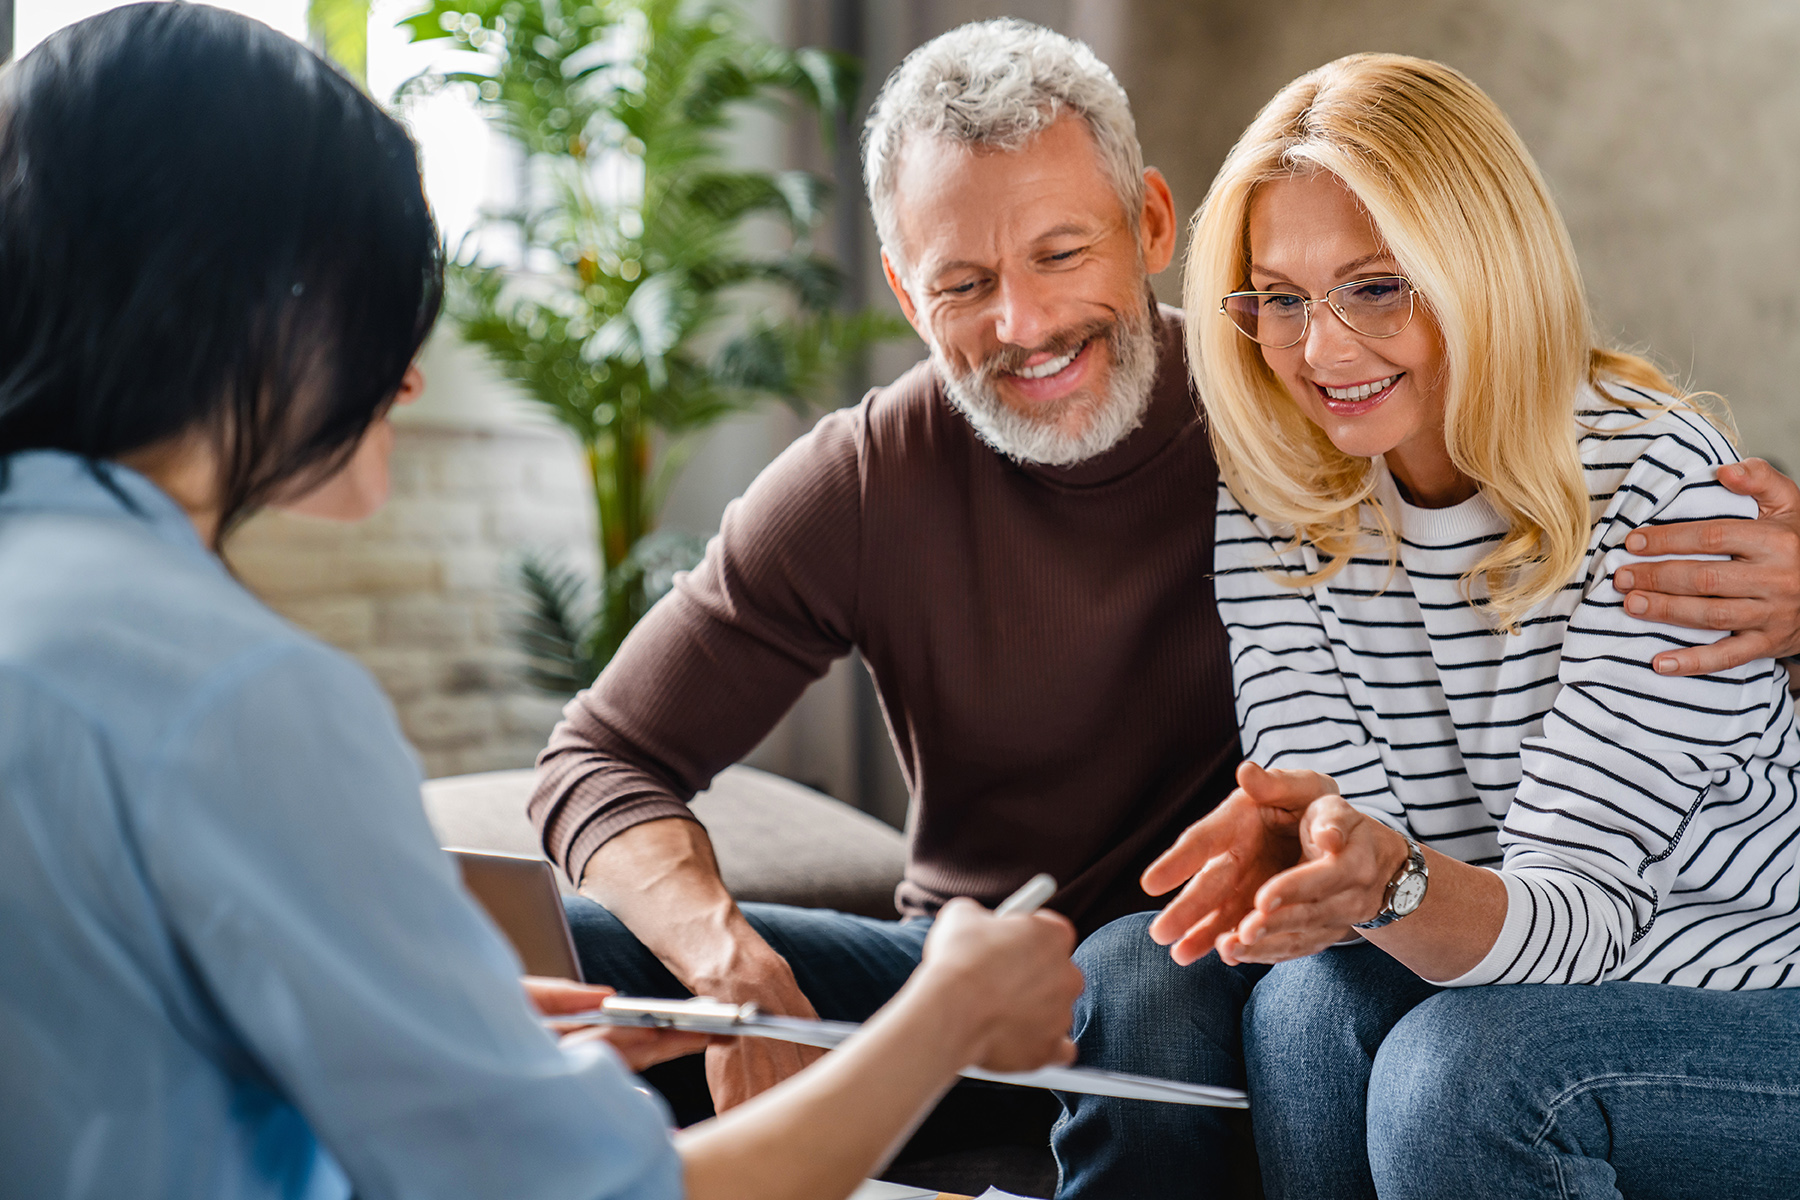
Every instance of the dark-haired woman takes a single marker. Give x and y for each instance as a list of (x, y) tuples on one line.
[(235, 963)]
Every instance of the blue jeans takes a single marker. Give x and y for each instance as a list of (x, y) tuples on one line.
[(1366, 1081), (1140, 1013)]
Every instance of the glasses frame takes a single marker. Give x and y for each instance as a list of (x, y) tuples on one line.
[(1412, 308)]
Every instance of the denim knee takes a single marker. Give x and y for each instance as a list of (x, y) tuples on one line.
[(1461, 1091), (1430, 1089), (1143, 1013), (1283, 1014), (1340, 1001), (1120, 964), (1639, 1089), (1141, 1009), (1311, 1032)]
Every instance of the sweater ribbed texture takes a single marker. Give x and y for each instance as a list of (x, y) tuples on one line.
[(1044, 642)]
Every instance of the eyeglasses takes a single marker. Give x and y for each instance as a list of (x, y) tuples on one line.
[(1379, 308)]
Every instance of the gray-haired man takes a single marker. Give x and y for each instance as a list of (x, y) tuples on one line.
[(1017, 536)]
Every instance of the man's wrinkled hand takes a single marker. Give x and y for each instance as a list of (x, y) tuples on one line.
[(1227, 855), (1754, 592), (743, 1068)]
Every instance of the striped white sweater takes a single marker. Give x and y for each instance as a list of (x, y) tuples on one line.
[(1646, 827)]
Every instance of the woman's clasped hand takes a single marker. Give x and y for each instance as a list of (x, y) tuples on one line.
[(1282, 869)]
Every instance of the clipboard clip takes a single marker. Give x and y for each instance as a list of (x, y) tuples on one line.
[(702, 1014), (651, 1013)]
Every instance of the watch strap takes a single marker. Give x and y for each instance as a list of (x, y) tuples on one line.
[(1414, 865)]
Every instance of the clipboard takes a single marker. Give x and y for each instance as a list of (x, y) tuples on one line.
[(701, 1015)]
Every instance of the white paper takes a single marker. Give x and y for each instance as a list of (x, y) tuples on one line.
[(875, 1189), (1095, 1082)]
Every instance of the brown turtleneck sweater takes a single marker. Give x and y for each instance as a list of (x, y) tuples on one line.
[(1044, 640)]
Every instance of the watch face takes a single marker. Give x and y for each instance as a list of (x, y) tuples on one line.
[(1409, 893)]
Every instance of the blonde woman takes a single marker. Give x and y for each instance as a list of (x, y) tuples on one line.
[(1433, 483)]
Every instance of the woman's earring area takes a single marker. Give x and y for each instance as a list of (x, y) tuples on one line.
[(359, 488)]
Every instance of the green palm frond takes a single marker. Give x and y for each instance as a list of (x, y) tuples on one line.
[(554, 630), (804, 359), (797, 197)]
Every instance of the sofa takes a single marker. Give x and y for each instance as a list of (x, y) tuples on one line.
[(776, 840)]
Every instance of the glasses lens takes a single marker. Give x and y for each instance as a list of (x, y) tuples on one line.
[(1268, 318), (1375, 307)]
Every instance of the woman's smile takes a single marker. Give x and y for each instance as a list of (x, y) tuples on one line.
[(1354, 399)]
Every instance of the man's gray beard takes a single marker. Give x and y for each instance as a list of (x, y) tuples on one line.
[(1036, 438)]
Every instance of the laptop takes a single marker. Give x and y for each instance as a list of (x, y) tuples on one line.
[(521, 896)]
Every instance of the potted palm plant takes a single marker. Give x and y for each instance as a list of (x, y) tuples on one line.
[(636, 313)]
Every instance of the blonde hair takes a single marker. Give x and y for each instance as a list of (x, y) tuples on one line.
[(1462, 208)]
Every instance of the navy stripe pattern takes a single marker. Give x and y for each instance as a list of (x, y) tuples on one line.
[(1646, 827)]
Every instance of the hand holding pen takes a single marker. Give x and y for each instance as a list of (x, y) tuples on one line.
[(1008, 973)]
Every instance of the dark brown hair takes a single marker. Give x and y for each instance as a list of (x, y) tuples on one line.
[(204, 228)]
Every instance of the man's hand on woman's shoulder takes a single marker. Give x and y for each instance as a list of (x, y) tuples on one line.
[(1755, 593)]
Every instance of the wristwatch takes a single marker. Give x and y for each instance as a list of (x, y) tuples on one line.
[(1405, 891)]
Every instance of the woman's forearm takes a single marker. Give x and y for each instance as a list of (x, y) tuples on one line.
[(819, 1134), (1455, 926)]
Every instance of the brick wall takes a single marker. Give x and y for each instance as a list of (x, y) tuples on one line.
[(422, 592)]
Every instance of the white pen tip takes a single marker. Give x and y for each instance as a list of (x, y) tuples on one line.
[(1029, 898)]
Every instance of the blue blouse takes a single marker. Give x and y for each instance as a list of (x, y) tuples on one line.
[(233, 960)]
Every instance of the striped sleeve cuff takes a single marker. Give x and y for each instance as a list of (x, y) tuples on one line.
[(1506, 948)]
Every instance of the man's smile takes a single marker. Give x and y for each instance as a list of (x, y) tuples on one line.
[(1049, 366), (1053, 378)]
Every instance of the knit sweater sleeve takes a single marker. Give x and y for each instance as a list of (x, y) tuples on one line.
[(1626, 756), (1294, 707), (710, 670)]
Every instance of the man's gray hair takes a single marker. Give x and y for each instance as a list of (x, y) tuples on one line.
[(998, 84)]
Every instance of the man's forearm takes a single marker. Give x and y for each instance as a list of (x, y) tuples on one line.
[(661, 880)]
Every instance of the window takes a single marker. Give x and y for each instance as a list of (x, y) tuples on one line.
[(467, 166)]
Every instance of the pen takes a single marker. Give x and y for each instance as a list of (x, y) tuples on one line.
[(1029, 898)]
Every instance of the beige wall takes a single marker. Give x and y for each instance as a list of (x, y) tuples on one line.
[(424, 593), (1669, 131)]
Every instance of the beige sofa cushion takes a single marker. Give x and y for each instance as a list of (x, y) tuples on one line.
[(776, 840)]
